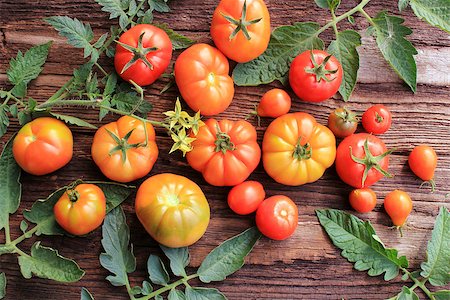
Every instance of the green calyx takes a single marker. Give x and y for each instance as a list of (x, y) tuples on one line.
[(139, 53), (73, 195), (319, 70), (223, 142), (378, 118), (241, 24), (370, 161), (122, 144), (302, 152), (347, 115)]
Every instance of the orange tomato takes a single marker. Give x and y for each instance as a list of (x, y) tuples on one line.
[(423, 161), (398, 206), (363, 200), (274, 103)]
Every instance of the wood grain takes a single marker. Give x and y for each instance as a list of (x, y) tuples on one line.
[(306, 266)]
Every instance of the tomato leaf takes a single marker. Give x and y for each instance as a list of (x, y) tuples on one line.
[(437, 268), (398, 51), (405, 294), (179, 41), (175, 294), (356, 240), (157, 271), (402, 4), (441, 295), (2, 285), (203, 294), (10, 186), (4, 119), (159, 5), (86, 295), (344, 49), (285, 44), (228, 257), (179, 259), (435, 12), (146, 288), (130, 101), (118, 258), (73, 120), (45, 262)]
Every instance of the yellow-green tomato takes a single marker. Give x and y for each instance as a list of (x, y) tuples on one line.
[(173, 210)]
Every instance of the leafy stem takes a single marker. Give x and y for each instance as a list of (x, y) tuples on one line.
[(25, 235), (419, 283), (169, 287), (366, 15), (20, 252), (7, 231)]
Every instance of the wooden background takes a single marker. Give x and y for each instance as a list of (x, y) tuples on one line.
[(306, 266)]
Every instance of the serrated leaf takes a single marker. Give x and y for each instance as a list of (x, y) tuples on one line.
[(146, 18), (2, 285), (203, 294), (228, 257), (130, 101), (110, 85), (10, 186), (14, 110), (179, 41), (118, 257), (179, 259), (157, 271), (117, 9), (441, 295), (435, 12), (437, 267), (19, 90), (159, 5), (406, 294), (86, 295), (286, 42), (355, 238), (398, 51), (175, 294), (45, 262), (101, 41), (78, 34), (344, 49), (402, 4), (73, 120), (4, 120)]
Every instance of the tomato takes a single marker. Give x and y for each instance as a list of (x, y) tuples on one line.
[(173, 210), (274, 103), (277, 217), (343, 122), (297, 150), (120, 151), (423, 161), (363, 200), (81, 210), (245, 198), (226, 152), (377, 119), (241, 29), (398, 206), (362, 159), (315, 75), (201, 74), (43, 145), (142, 54)]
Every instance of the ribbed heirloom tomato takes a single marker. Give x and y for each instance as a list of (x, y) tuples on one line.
[(81, 209), (121, 150), (173, 210), (297, 150), (201, 74), (241, 29), (226, 152), (43, 146)]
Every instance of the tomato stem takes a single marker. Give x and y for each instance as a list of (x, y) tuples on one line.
[(419, 283), (242, 23), (320, 70), (302, 152), (73, 195), (169, 287), (223, 142), (7, 231), (139, 53), (432, 184)]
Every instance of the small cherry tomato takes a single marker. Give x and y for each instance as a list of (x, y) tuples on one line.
[(245, 198), (274, 103), (423, 161), (398, 206), (377, 119), (277, 217), (81, 210), (343, 122), (363, 200)]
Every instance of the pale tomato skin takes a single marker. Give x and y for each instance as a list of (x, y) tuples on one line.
[(398, 205), (423, 162), (85, 214), (43, 146), (172, 209), (279, 145), (245, 197), (240, 49), (139, 161), (274, 103), (201, 74)]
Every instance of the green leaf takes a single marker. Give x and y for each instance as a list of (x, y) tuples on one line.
[(356, 240), (2, 285), (175, 294), (45, 262), (179, 41), (179, 259), (130, 101), (228, 257), (118, 257), (402, 4), (441, 295), (406, 294), (4, 119), (157, 270), (110, 85), (86, 295), (285, 44), (203, 294), (435, 12), (101, 41), (78, 34), (23, 226), (73, 120), (26, 67), (10, 187), (437, 267), (159, 5), (146, 288), (117, 9), (323, 3), (344, 49), (398, 51)]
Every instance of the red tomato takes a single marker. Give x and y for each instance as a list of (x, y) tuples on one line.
[(423, 161), (277, 217), (363, 200), (245, 198), (81, 210), (201, 74), (343, 122), (241, 29), (315, 75), (274, 103), (43, 145), (362, 159), (398, 206), (142, 54), (377, 119)]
